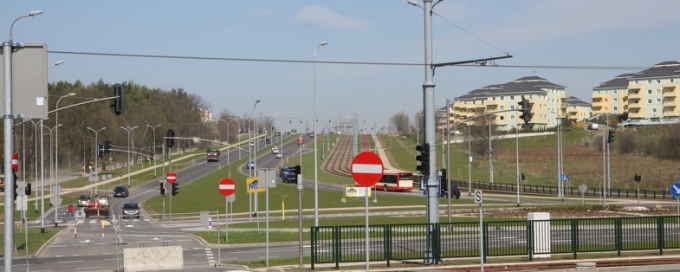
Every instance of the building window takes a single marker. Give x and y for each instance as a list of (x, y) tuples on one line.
[(616, 108), (512, 97), (658, 100), (512, 107), (649, 81), (649, 101), (502, 117), (616, 100), (654, 110), (512, 117), (636, 82), (658, 81), (502, 107), (658, 91), (671, 80), (649, 91)]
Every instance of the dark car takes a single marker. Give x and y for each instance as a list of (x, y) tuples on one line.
[(267, 141), (455, 192), (121, 191), (288, 175), (130, 210)]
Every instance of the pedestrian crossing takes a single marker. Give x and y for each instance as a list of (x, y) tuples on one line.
[(92, 221)]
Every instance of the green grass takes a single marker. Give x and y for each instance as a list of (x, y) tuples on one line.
[(35, 239)]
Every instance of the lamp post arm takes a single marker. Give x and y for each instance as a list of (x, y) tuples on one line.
[(82, 103)]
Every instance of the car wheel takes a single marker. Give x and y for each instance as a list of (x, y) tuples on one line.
[(385, 188)]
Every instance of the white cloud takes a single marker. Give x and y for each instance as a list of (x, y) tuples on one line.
[(320, 16)]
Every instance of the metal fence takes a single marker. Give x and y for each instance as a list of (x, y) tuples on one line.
[(535, 239), (569, 191)]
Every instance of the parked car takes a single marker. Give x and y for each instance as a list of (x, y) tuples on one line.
[(250, 165), (84, 201), (121, 191), (455, 132), (130, 210)]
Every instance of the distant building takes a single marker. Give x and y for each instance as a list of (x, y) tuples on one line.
[(578, 110), (611, 97), (548, 101), (206, 115)]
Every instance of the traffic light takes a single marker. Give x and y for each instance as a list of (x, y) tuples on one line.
[(610, 136), (523, 177), (118, 92), (27, 189), (162, 189), (444, 183), (107, 147), (170, 142), (16, 186), (298, 170), (100, 150), (175, 189), (423, 159), (637, 177), (525, 108)]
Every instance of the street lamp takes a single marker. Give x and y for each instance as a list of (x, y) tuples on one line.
[(56, 145), (96, 141), (316, 178), (238, 123), (59, 62), (128, 129), (9, 205), (154, 146), (374, 123), (53, 187)]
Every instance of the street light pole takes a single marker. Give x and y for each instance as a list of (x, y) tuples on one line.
[(154, 147), (56, 149), (96, 141), (316, 178), (128, 129), (238, 123)]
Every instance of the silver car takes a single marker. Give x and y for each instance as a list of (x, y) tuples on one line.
[(130, 210)]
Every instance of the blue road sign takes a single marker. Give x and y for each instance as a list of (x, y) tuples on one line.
[(439, 186), (564, 177), (675, 189)]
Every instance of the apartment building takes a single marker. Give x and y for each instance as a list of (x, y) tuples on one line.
[(650, 95), (548, 102), (577, 109), (653, 93), (611, 97)]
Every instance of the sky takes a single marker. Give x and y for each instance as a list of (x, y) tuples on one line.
[(574, 43)]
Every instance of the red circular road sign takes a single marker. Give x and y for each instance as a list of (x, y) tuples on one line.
[(172, 177), (227, 186), (15, 162), (367, 168)]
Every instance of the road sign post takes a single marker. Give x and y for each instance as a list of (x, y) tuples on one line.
[(479, 199), (583, 188), (227, 186), (171, 177), (367, 170), (675, 191)]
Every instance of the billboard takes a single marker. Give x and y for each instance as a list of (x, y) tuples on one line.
[(29, 81)]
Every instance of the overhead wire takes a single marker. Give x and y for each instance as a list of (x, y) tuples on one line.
[(564, 67)]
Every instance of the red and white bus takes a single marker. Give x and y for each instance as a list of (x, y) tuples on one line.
[(300, 140), (394, 181)]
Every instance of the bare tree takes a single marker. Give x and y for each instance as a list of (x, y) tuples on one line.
[(480, 136)]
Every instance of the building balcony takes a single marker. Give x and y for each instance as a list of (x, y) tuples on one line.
[(670, 89), (634, 95), (634, 87), (634, 106), (671, 103)]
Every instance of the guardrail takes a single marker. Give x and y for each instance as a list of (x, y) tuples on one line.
[(535, 239)]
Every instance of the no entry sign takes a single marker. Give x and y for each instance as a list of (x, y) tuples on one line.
[(367, 168), (172, 177), (15, 162), (227, 186)]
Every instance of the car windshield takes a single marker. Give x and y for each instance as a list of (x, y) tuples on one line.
[(84, 197), (130, 206), (119, 189)]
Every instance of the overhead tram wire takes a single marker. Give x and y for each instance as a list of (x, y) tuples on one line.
[(562, 67)]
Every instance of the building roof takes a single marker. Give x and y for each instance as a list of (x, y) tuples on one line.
[(661, 69), (619, 82), (525, 85), (575, 101)]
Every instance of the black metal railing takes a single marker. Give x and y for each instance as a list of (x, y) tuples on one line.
[(535, 239)]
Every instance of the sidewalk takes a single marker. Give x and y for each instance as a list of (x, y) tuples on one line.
[(383, 156)]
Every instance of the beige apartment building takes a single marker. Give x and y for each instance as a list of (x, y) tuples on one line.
[(549, 101), (650, 95)]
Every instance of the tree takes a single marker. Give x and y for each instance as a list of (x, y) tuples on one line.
[(401, 123), (479, 135)]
